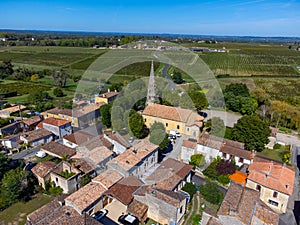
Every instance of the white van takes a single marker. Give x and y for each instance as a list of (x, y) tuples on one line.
[(175, 133)]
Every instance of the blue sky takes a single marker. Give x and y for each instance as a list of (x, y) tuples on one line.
[(223, 17)]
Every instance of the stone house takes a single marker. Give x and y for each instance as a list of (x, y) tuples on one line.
[(188, 149), (58, 150), (136, 160), (11, 129), (107, 97), (274, 183), (42, 172), (58, 127), (37, 137), (32, 122), (77, 138), (119, 143)]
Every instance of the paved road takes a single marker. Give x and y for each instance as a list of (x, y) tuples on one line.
[(25, 154), (176, 149), (229, 118), (165, 73)]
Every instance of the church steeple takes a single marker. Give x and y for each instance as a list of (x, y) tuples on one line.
[(151, 95)]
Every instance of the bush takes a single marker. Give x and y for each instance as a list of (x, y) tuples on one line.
[(225, 167), (211, 193), (223, 179), (58, 92), (190, 188), (197, 160), (277, 146)]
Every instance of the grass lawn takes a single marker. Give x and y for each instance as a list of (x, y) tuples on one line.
[(274, 154), (151, 221), (16, 213)]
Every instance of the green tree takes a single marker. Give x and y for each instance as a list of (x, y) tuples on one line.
[(159, 136), (238, 89), (14, 183), (177, 77), (211, 193), (6, 69), (252, 131), (190, 188), (60, 78), (197, 160), (58, 92), (136, 124), (216, 126), (224, 179), (4, 164), (105, 114)]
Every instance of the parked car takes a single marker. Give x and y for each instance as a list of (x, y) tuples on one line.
[(40, 154), (100, 214), (175, 133), (128, 220)]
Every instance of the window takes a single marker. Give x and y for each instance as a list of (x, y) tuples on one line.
[(178, 127), (188, 129), (275, 194), (224, 155), (167, 124), (181, 209), (145, 120), (56, 179), (258, 188), (241, 160), (271, 202)]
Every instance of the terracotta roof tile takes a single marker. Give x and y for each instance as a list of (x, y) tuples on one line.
[(32, 120), (108, 178), (86, 196), (189, 144), (275, 177), (134, 155), (79, 137), (242, 203), (216, 142), (96, 155), (58, 111), (245, 154), (171, 113), (42, 169), (56, 122), (58, 149), (36, 134), (138, 209), (124, 189), (109, 94)]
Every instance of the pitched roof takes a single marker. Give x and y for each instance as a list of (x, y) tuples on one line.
[(118, 138), (216, 142), (57, 149), (238, 177), (86, 109), (83, 165), (86, 196), (62, 111), (42, 169), (169, 174), (32, 120), (189, 144), (78, 137), (13, 109), (56, 122), (108, 178), (244, 203), (124, 189), (245, 154), (134, 155), (36, 134), (108, 94), (96, 155), (171, 113), (275, 177)]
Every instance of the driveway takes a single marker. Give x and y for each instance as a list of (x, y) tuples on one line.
[(229, 118), (115, 210)]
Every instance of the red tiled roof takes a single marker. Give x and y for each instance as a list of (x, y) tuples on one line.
[(189, 144), (124, 189), (275, 177), (56, 122), (170, 113)]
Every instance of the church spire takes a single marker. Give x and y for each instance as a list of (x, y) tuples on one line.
[(151, 95)]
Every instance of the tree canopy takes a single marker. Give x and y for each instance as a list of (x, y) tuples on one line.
[(252, 131), (216, 126), (136, 124), (158, 135), (105, 115)]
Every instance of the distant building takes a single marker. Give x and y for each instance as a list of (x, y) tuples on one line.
[(12, 141), (7, 112), (42, 172), (11, 129), (76, 139), (107, 97), (119, 143), (32, 122), (58, 150), (274, 182)]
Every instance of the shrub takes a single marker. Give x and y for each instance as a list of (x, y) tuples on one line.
[(190, 188), (277, 146), (197, 160), (58, 92), (223, 179), (211, 193), (225, 167)]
